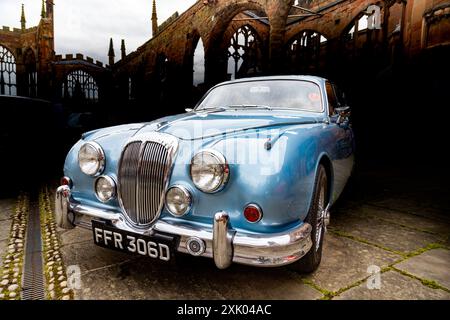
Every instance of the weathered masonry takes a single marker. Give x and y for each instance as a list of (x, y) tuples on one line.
[(216, 40), (29, 66), (229, 39)]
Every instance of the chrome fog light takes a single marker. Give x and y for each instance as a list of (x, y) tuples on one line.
[(178, 200), (91, 159), (105, 188)]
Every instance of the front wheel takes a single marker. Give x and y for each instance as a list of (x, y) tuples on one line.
[(316, 218)]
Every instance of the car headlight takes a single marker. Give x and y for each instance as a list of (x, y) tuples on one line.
[(178, 200), (105, 188), (91, 159), (209, 171)]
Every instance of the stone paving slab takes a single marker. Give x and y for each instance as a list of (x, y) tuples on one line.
[(108, 274), (431, 265), (193, 279), (429, 224), (3, 246), (76, 235), (345, 261), (88, 256), (5, 227), (6, 208), (395, 286), (382, 233), (415, 206)]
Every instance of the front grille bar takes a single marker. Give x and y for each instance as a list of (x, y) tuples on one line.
[(144, 171)]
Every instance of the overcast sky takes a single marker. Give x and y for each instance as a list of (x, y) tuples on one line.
[(85, 26)]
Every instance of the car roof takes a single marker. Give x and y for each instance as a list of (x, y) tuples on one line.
[(282, 77)]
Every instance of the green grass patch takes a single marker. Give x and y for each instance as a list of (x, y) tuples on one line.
[(429, 283)]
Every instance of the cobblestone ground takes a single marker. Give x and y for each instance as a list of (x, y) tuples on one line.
[(402, 234)]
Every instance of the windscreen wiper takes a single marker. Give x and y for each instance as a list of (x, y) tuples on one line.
[(212, 109), (243, 106)]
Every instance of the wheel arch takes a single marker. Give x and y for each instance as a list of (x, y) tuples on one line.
[(325, 160)]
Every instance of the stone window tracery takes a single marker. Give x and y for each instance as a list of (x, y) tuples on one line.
[(243, 53), (80, 85), (8, 81), (307, 50)]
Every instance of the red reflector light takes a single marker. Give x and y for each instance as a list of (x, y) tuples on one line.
[(252, 213), (65, 181)]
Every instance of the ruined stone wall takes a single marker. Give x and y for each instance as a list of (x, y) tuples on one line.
[(39, 41), (213, 23)]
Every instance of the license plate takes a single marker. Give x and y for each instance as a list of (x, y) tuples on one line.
[(157, 247)]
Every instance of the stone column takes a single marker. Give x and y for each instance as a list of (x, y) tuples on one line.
[(278, 11)]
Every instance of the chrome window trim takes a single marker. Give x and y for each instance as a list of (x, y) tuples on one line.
[(112, 181), (187, 193), (171, 144), (315, 82), (224, 163), (102, 159)]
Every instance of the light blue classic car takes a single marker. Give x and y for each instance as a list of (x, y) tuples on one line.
[(247, 176)]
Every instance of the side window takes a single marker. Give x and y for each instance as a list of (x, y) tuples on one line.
[(332, 101), (340, 97)]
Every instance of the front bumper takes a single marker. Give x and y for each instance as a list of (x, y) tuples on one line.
[(222, 243)]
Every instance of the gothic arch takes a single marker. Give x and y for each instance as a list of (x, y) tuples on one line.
[(80, 85), (194, 60), (30, 64), (244, 53), (307, 52), (224, 17), (362, 39), (216, 49)]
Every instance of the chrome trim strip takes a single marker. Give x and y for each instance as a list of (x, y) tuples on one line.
[(95, 213)]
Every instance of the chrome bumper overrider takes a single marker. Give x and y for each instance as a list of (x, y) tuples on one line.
[(223, 244)]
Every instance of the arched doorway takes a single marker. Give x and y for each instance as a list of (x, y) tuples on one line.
[(8, 73)]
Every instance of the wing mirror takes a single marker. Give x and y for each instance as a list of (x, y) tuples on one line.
[(188, 110), (343, 114)]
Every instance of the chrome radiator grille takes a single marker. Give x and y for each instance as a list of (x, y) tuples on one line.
[(143, 174)]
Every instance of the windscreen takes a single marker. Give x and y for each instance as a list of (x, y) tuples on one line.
[(284, 94)]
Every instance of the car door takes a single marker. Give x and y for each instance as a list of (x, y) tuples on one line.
[(342, 134)]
